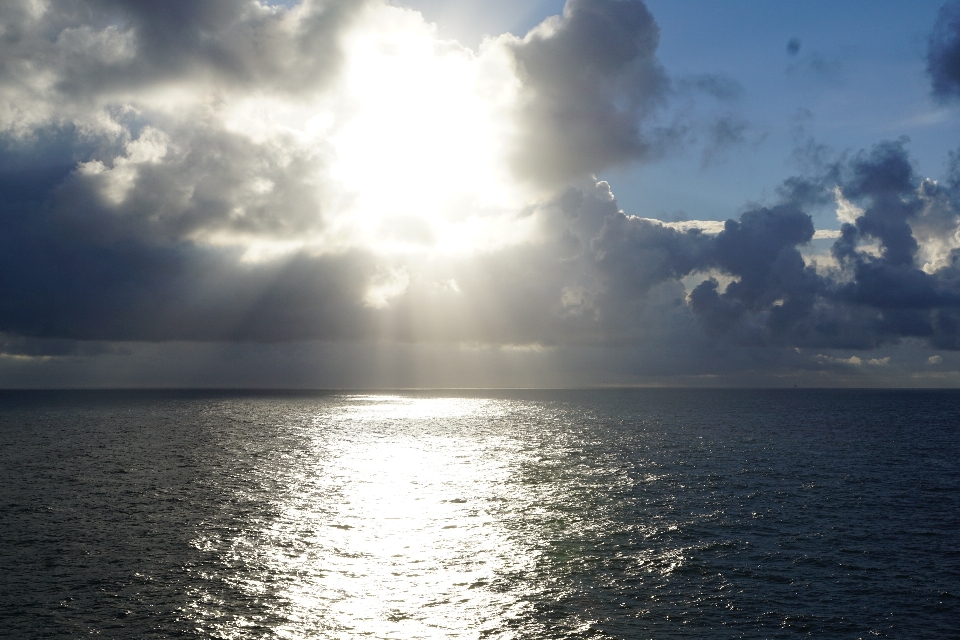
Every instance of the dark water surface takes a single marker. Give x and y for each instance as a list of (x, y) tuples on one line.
[(528, 514)]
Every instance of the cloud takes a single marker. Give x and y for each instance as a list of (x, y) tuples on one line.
[(895, 273), (386, 286), (234, 173), (719, 87), (588, 274), (14, 346), (853, 360), (816, 66), (146, 101), (115, 47), (793, 46), (943, 53), (590, 78), (847, 212), (724, 133)]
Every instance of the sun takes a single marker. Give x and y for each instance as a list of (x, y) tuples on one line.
[(411, 143), (422, 150)]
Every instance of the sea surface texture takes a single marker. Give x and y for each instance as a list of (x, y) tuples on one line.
[(527, 514)]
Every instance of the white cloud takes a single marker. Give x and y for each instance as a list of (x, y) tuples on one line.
[(936, 228), (826, 234), (847, 212), (385, 286), (117, 180), (852, 360), (706, 226)]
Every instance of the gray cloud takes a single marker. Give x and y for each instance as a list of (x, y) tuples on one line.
[(98, 47), (724, 133), (871, 297), (206, 179), (590, 79), (108, 162), (893, 277), (816, 66), (719, 87), (943, 53)]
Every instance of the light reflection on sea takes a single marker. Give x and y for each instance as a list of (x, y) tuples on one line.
[(552, 514), (398, 518)]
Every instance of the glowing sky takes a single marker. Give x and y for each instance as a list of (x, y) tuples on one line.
[(331, 193)]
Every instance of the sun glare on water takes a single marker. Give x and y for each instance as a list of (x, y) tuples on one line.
[(389, 526)]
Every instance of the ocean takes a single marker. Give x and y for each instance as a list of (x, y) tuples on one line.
[(617, 513)]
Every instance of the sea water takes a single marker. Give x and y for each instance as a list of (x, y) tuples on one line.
[(651, 513)]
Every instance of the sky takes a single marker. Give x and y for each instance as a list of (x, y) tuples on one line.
[(381, 194)]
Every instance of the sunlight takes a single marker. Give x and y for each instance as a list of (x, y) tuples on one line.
[(409, 145), (404, 542), (423, 154), (402, 156)]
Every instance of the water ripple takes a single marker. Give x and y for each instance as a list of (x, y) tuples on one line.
[(622, 514)]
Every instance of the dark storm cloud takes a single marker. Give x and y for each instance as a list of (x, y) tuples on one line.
[(106, 204), (773, 289), (598, 276), (885, 179), (636, 254), (870, 298), (60, 279), (590, 79), (943, 53), (878, 291), (761, 250), (22, 347)]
